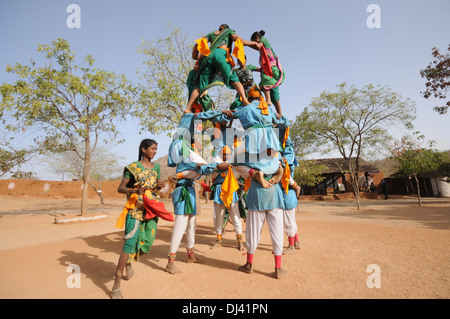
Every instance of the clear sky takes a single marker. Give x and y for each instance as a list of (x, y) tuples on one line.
[(320, 44)]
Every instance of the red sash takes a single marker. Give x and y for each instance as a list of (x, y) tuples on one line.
[(154, 209), (265, 63)]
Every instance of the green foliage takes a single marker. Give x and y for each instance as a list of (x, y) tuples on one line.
[(412, 159), (70, 103), (308, 173), (163, 93), (351, 121), (437, 74), (10, 160)]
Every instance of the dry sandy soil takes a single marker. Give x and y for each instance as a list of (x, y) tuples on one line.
[(409, 244)]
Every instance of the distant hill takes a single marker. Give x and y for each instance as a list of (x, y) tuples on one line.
[(166, 171)]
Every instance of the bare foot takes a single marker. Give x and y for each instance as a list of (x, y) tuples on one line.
[(116, 294), (193, 260), (280, 272), (216, 244), (171, 269), (289, 250), (259, 176), (130, 272), (241, 246), (247, 268), (297, 245)]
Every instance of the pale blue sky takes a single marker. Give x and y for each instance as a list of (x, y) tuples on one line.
[(320, 44)]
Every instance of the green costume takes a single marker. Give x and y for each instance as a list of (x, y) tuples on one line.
[(268, 82), (140, 232), (216, 61)]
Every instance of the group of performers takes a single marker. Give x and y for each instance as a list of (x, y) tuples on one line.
[(252, 167)]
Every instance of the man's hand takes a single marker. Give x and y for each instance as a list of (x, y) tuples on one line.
[(199, 165), (161, 184), (228, 113), (141, 191)]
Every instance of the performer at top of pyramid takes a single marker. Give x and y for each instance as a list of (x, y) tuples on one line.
[(216, 57), (272, 74)]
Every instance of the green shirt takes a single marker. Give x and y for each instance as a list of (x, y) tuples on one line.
[(211, 37)]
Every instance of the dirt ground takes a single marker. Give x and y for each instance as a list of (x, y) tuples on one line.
[(409, 246)]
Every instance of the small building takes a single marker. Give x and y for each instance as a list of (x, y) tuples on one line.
[(337, 180), (432, 184)]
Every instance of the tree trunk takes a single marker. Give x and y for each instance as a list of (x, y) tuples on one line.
[(358, 203), (418, 189), (354, 180), (86, 177), (99, 192)]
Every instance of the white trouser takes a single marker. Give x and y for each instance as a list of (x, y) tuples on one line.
[(183, 223), (254, 224), (290, 224), (218, 214)]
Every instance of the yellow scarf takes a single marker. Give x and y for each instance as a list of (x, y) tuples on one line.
[(238, 50), (254, 92), (286, 177), (203, 47), (129, 205), (229, 186), (286, 135)]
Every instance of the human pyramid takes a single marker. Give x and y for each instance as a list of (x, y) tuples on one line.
[(252, 166)]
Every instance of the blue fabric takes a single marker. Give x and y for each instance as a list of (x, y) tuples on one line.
[(260, 134), (259, 198), (290, 199), (267, 164), (185, 127), (178, 203)]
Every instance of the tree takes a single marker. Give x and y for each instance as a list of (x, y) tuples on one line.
[(308, 173), (352, 122), (437, 74), (73, 105), (11, 156), (163, 91), (412, 159), (104, 165), (11, 159)]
